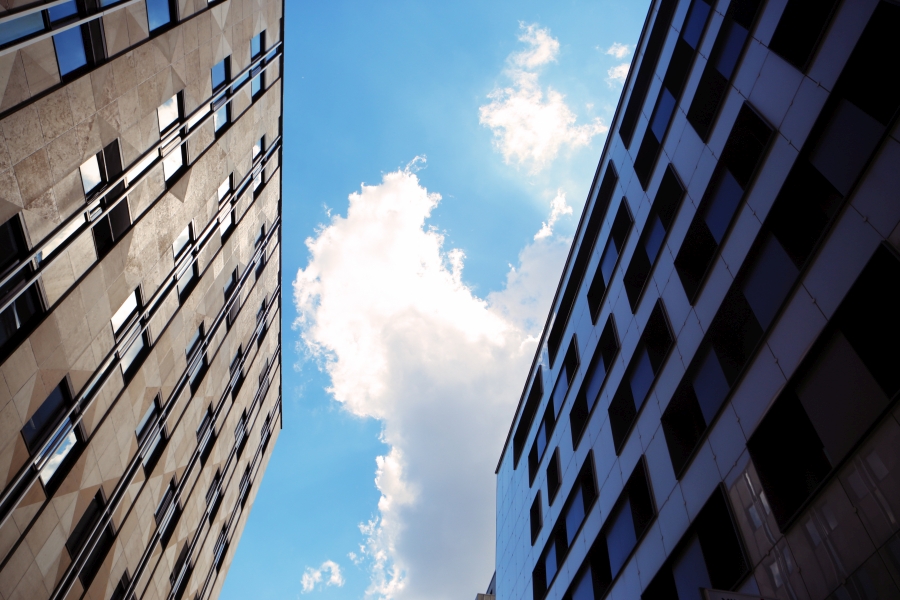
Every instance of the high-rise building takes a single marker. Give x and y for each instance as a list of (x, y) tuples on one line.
[(713, 403), (140, 227)]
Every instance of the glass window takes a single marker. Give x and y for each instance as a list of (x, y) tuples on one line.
[(224, 188), (186, 279), (38, 427), (258, 146), (608, 260), (256, 85), (70, 54), (846, 145), (159, 13), (221, 117), (123, 315), (710, 385), (731, 49), (196, 117), (584, 587), (541, 439), (560, 389), (641, 376), (21, 27), (690, 572), (620, 536), (769, 281), (168, 112), (183, 239), (664, 108), (132, 353), (147, 421), (90, 174), (722, 205), (173, 162), (226, 222), (654, 236), (256, 45), (219, 73), (574, 514), (550, 563), (195, 339), (693, 26), (62, 11)]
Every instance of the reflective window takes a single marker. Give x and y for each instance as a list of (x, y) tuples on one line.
[(62, 12), (256, 85), (70, 53), (689, 571), (584, 587), (220, 73), (168, 112), (731, 49), (173, 162), (125, 312), (769, 281), (221, 117), (90, 174), (159, 13), (258, 147), (574, 514), (11, 31), (182, 241), (620, 536), (693, 25), (663, 112), (722, 205), (256, 44), (224, 188)]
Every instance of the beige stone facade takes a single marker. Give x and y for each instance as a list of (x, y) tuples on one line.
[(140, 335)]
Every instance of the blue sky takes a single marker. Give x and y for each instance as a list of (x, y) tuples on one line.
[(418, 314)]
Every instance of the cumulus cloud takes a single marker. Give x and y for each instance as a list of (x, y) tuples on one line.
[(383, 307), (558, 208), (532, 124), (618, 50), (328, 574)]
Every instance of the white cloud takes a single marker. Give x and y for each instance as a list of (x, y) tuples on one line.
[(543, 47), (618, 50), (558, 208), (313, 577), (382, 304), (616, 75), (530, 124)]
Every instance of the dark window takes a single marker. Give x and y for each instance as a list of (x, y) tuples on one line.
[(566, 374), (196, 357), (111, 227), (244, 486), (214, 495), (743, 152), (651, 352), (576, 507), (233, 298), (554, 477), (527, 417), (122, 588), (221, 75), (240, 432), (812, 421), (633, 512), (160, 13), (586, 399), (50, 426), (673, 86), (167, 513), (709, 556), (801, 27), (205, 435), (580, 264), (537, 517), (80, 537), (236, 372), (659, 220), (181, 573), (220, 548), (843, 140), (132, 342), (257, 47), (541, 440), (23, 314), (648, 67), (618, 234), (147, 422), (733, 35)]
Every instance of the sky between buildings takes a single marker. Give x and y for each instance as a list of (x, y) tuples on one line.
[(436, 161)]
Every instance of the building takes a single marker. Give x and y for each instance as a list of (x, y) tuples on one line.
[(713, 404), (140, 227)]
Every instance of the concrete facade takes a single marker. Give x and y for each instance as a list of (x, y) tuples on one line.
[(713, 401), (140, 366)]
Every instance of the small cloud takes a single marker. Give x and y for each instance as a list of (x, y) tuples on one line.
[(328, 574), (616, 75), (618, 50), (558, 208), (531, 124), (543, 47)]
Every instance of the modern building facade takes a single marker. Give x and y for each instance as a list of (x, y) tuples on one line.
[(140, 340), (713, 402)]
